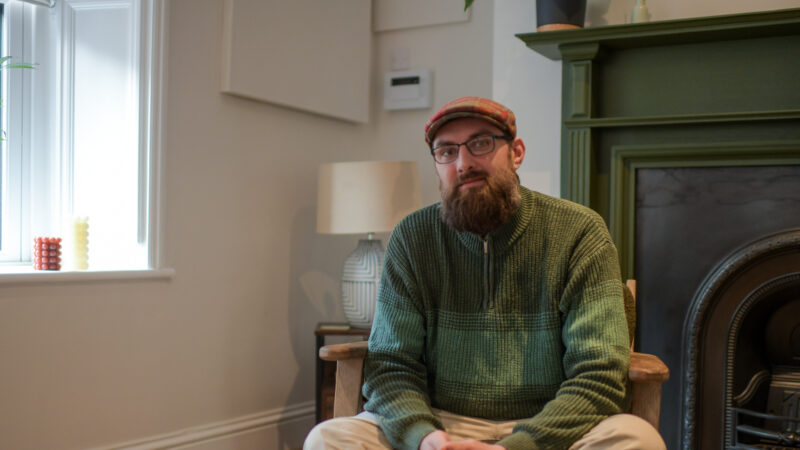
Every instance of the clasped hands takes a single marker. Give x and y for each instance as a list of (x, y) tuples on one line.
[(440, 440)]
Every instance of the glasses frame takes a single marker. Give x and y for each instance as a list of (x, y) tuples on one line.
[(494, 137)]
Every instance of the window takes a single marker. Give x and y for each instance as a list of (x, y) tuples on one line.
[(79, 130)]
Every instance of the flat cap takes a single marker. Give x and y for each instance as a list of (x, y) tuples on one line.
[(481, 108)]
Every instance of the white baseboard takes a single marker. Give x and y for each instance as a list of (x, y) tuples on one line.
[(281, 428)]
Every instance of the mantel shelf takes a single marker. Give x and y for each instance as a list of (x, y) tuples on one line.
[(678, 119), (669, 32)]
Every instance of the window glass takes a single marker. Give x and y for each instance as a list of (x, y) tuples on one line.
[(79, 132)]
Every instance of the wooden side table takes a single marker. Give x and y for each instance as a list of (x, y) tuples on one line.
[(326, 370)]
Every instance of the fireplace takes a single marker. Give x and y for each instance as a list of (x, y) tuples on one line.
[(685, 136), (699, 231)]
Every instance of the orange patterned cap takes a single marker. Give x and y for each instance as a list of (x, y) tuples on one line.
[(482, 108)]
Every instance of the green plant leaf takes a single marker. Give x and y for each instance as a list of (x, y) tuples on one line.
[(19, 66), (467, 4), (6, 64)]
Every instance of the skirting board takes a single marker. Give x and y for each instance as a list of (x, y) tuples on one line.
[(281, 428)]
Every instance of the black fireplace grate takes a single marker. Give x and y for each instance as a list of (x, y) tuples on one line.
[(751, 437)]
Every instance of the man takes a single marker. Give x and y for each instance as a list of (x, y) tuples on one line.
[(500, 320)]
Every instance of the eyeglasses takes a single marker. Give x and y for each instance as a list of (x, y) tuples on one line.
[(477, 146)]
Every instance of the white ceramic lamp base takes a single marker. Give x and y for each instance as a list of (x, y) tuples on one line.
[(360, 277)]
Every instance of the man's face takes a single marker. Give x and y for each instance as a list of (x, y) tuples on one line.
[(479, 193), (468, 171)]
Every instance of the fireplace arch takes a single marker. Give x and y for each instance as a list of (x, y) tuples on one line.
[(763, 272)]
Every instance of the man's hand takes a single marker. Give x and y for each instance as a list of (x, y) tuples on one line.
[(440, 440), (434, 440), (471, 444)]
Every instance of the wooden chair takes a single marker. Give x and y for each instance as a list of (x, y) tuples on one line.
[(646, 372)]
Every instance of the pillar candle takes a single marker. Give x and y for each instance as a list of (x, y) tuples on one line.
[(47, 253), (80, 243)]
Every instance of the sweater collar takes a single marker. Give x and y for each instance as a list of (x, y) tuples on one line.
[(503, 236)]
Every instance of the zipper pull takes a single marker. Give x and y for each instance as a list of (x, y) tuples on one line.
[(485, 246)]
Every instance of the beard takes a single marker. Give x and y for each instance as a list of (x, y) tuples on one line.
[(483, 208)]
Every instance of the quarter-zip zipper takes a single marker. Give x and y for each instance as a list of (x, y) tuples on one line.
[(487, 275)]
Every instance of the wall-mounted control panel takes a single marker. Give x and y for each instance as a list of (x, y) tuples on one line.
[(408, 89)]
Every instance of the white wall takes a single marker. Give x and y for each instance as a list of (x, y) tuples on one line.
[(608, 12), (530, 85), (460, 57)]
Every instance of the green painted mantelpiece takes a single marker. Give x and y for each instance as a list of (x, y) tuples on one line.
[(668, 131), (695, 84)]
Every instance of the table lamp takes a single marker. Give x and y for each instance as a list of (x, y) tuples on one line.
[(364, 197)]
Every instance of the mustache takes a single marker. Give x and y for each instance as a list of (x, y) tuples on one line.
[(471, 175)]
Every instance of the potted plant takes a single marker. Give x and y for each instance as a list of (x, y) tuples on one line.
[(555, 14)]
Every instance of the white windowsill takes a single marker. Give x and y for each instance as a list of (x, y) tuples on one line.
[(26, 275)]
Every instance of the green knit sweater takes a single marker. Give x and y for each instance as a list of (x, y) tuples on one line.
[(527, 323)]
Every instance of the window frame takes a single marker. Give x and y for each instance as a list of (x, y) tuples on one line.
[(15, 230), (152, 75)]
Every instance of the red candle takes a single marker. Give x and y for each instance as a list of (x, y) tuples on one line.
[(47, 253)]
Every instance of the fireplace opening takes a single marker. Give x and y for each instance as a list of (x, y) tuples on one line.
[(763, 394)]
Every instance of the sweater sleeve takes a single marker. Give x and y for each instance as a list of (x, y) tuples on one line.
[(395, 373), (596, 354)]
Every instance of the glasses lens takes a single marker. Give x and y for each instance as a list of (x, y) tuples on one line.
[(445, 153), (481, 145)]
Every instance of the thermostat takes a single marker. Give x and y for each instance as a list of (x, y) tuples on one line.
[(409, 89)]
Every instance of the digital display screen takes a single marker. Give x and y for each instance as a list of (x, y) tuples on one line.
[(405, 81)]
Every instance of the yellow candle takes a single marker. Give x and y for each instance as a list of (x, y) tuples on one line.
[(80, 240)]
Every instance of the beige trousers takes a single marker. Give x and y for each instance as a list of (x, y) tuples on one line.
[(621, 431)]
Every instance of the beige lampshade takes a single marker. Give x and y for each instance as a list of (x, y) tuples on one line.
[(365, 197)]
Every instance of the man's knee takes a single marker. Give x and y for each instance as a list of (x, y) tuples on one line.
[(346, 433), (316, 437), (621, 431)]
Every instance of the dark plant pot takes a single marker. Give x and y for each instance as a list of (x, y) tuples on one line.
[(559, 14)]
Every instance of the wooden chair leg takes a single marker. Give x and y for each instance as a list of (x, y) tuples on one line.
[(647, 401), (348, 387)]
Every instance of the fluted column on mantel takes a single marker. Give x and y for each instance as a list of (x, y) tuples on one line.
[(577, 156)]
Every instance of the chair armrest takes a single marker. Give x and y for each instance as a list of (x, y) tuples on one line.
[(349, 359), (646, 368), (646, 373), (339, 352)]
